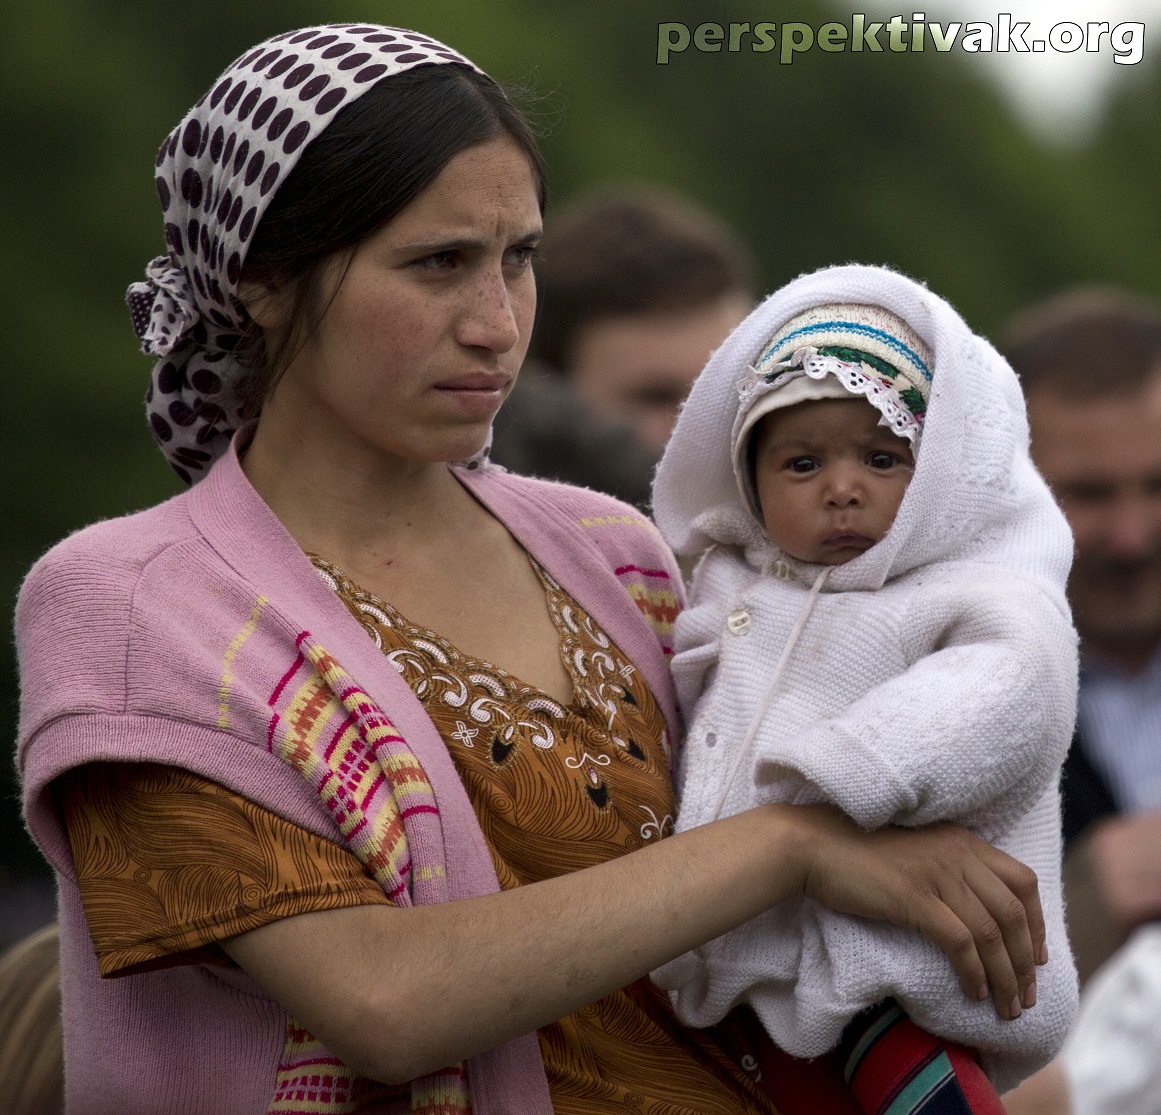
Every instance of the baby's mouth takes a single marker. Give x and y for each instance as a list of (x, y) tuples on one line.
[(847, 538)]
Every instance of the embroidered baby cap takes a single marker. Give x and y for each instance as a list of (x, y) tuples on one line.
[(217, 173), (834, 351)]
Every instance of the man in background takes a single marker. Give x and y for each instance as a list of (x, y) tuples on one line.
[(1090, 362), (635, 290)]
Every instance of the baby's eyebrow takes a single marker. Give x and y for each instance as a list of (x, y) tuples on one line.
[(795, 439), (792, 443), (888, 440)]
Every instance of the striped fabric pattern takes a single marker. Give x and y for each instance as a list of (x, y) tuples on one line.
[(312, 1080), (895, 1068), (652, 590), (330, 731)]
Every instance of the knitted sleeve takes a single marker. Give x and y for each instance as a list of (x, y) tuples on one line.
[(975, 729)]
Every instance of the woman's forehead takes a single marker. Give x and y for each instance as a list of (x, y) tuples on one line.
[(485, 192)]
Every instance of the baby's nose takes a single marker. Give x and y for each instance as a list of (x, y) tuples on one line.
[(844, 489)]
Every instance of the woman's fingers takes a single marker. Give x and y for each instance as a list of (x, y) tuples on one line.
[(1014, 912), (1022, 882), (997, 923), (925, 911), (996, 901)]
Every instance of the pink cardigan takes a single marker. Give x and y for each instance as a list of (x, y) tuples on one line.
[(135, 643)]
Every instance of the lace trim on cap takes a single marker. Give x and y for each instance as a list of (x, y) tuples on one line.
[(878, 392)]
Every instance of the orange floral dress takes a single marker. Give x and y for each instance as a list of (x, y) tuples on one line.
[(170, 864)]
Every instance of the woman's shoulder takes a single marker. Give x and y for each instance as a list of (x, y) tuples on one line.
[(568, 500), (549, 513), (100, 564), (117, 596)]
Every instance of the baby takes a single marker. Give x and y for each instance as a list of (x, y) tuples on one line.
[(880, 623)]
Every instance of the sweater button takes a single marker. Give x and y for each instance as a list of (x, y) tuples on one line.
[(738, 622), (711, 739)]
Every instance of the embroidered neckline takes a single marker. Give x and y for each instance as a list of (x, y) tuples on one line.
[(488, 694)]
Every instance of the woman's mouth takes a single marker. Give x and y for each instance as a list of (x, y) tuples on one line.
[(477, 392)]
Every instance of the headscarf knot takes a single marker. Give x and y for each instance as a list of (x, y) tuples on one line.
[(161, 308)]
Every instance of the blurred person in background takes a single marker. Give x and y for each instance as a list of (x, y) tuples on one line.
[(1111, 1062), (635, 290), (31, 1055), (1090, 361)]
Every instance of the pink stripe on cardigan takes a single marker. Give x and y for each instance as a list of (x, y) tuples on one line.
[(122, 633)]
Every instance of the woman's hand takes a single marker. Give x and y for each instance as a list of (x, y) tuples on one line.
[(976, 903)]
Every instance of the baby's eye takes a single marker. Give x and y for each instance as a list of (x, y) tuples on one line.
[(881, 459), (802, 464)]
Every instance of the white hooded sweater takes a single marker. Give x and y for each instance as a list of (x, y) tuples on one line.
[(932, 678)]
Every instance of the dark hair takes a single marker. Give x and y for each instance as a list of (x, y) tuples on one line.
[(376, 157), (626, 251), (1086, 341)]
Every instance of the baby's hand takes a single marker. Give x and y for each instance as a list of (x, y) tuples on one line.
[(975, 902)]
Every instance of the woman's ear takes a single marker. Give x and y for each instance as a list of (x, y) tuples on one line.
[(267, 306)]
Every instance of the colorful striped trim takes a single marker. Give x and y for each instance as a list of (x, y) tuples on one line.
[(315, 1084), (651, 590), (659, 608), (310, 1078), (932, 1091), (232, 652), (872, 1034), (895, 1068), (375, 789), (616, 521), (791, 341)]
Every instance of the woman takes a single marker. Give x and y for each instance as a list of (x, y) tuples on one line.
[(259, 813)]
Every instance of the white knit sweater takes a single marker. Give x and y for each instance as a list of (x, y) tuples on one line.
[(933, 678)]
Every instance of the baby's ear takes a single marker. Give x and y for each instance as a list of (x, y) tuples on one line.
[(268, 306)]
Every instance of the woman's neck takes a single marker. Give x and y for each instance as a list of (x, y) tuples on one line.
[(346, 499)]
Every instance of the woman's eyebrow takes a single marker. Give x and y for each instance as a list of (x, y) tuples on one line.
[(462, 243)]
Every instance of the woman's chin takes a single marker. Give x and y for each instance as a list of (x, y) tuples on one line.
[(460, 445)]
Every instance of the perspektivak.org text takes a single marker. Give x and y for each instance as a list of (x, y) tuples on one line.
[(1127, 40)]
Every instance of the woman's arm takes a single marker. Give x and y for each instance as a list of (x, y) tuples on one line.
[(441, 983)]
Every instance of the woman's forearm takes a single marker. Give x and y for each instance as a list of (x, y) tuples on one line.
[(412, 990), (436, 984)]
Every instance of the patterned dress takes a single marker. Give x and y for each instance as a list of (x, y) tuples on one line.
[(170, 864)]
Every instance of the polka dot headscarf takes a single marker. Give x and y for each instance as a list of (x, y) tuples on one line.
[(217, 171)]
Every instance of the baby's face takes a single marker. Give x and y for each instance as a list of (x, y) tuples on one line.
[(829, 478)]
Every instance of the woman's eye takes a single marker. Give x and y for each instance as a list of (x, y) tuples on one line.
[(882, 459), (802, 464), (520, 257), (437, 261)]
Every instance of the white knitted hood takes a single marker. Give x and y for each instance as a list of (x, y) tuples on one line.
[(975, 494)]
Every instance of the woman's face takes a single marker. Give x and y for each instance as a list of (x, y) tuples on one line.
[(422, 341)]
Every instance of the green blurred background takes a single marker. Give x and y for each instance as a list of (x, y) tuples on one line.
[(907, 159)]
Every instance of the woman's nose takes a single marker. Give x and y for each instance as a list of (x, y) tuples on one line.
[(490, 320)]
